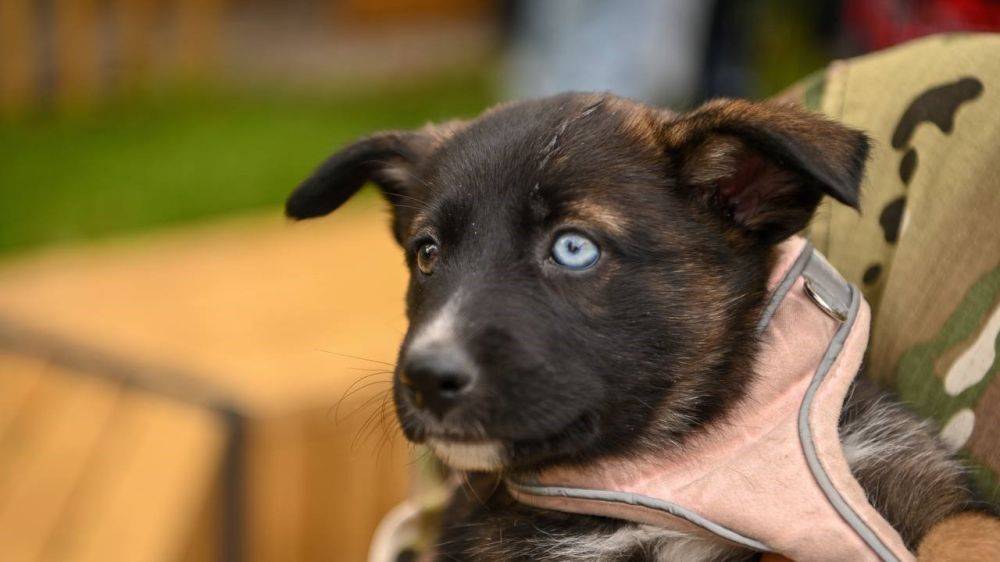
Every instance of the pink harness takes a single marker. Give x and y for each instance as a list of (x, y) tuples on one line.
[(772, 475)]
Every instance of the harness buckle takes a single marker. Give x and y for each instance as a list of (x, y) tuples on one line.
[(817, 297)]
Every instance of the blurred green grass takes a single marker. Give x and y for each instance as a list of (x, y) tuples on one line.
[(191, 153)]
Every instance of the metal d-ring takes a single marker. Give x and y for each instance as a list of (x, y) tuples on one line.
[(826, 307)]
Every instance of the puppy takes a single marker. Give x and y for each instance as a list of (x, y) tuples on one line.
[(586, 276)]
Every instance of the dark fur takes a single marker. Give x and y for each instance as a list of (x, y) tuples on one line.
[(653, 342)]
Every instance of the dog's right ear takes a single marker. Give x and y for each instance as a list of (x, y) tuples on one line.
[(393, 161)]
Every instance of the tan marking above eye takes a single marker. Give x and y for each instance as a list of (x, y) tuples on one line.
[(608, 219)]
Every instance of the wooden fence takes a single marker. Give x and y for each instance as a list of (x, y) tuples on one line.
[(67, 53)]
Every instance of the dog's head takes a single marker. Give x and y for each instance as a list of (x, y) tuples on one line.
[(585, 271)]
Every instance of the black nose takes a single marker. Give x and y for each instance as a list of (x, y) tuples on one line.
[(439, 377)]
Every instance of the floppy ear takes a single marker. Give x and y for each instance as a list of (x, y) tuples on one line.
[(764, 166), (392, 160)]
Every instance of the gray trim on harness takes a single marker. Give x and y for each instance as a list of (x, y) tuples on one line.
[(784, 286), (641, 501), (841, 295)]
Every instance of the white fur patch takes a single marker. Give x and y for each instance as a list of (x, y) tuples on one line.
[(441, 328), (480, 456), (593, 546), (659, 544), (886, 435), (878, 436), (682, 546)]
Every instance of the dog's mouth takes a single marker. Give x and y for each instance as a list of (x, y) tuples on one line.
[(484, 454), (477, 438)]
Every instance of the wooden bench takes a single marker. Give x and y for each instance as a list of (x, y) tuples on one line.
[(175, 396)]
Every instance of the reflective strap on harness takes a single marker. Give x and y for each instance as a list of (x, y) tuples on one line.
[(840, 300)]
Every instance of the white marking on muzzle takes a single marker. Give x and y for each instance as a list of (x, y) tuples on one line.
[(440, 329), (482, 455)]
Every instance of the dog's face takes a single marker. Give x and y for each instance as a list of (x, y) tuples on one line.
[(585, 271)]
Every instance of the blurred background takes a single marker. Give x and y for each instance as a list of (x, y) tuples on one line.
[(186, 376)]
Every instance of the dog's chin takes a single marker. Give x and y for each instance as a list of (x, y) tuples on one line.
[(479, 453), (475, 456)]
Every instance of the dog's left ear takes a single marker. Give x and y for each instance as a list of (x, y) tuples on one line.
[(764, 166)]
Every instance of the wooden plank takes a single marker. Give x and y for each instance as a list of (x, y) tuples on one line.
[(77, 51), (140, 498), (136, 20), (18, 57), (277, 490), (19, 376), (45, 454), (381, 11), (198, 26), (356, 470), (205, 543)]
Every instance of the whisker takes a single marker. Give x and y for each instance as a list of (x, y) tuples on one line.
[(418, 458), (369, 370), (368, 427), (351, 388), (387, 432), (467, 484), (393, 365), (361, 435), (366, 403), (336, 410)]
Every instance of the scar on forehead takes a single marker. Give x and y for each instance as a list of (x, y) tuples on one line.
[(553, 145), (593, 212)]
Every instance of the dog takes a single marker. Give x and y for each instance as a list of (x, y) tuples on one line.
[(586, 275)]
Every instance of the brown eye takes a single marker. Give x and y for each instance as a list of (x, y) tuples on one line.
[(426, 257)]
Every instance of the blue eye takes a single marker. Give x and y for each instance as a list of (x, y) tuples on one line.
[(575, 251)]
